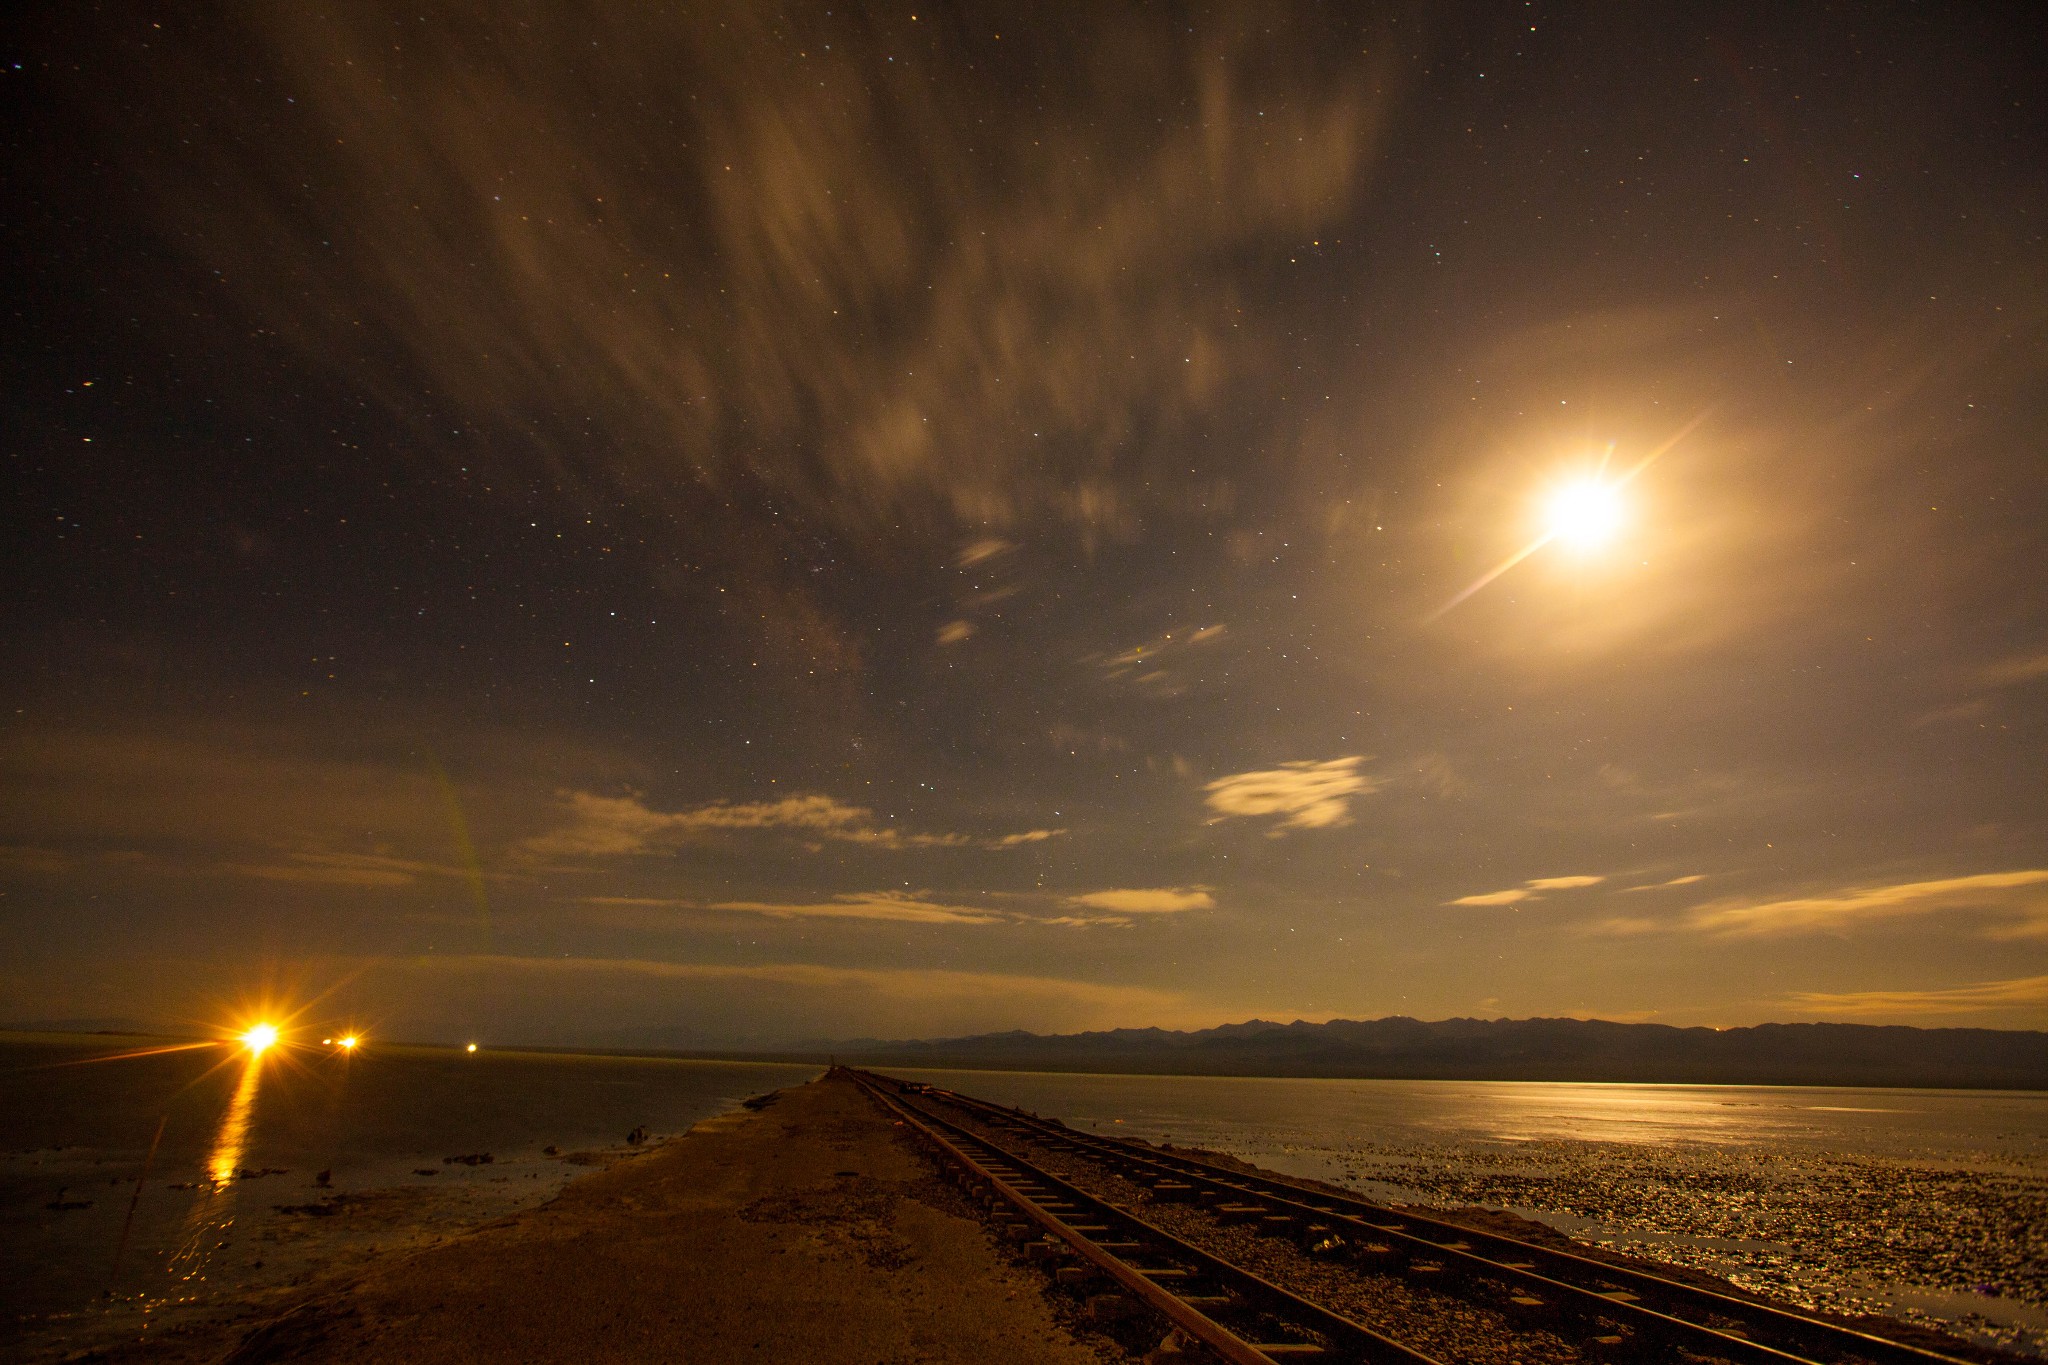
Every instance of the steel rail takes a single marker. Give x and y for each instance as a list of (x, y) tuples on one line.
[(1350, 1340), (1831, 1340)]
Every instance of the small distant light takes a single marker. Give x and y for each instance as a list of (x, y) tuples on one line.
[(470, 1048)]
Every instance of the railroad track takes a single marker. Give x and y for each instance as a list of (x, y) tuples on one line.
[(1606, 1311), (1244, 1319)]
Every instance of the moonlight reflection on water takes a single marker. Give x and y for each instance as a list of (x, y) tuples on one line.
[(1917, 1203)]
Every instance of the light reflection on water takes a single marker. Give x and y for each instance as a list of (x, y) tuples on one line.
[(209, 1224), (234, 1125), (1544, 1111), (243, 1157), (1917, 1202)]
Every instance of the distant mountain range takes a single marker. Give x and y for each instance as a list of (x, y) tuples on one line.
[(1510, 1050)]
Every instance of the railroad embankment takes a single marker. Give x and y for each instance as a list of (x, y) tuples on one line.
[(808, 1230)]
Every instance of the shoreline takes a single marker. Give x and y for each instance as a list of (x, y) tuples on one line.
[(1163, 1067), (826, 1235), (133, 1199), (378, 1225)]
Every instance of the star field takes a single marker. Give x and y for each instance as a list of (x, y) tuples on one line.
[(722, 525)]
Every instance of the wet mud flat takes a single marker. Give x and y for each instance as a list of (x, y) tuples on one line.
[(1843, 1235), (1445, 1321), (806, 1228), (1449, 1182), (236, 1250)]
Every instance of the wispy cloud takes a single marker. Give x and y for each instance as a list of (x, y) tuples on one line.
[(1306, 794), (974, 552), (2007, 891), (601, 826), (366, 870), (2012, 672), (1624, 926), (901, 907), (987, 298), (2023, 668), (955, 632), (46, 861), (1675, 881), (1972, 999), (1159, 900), (898, 906), (1532, 889), (1093, 909), (1507, 897), (1146, 665)]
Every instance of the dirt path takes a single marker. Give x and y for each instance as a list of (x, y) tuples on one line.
[(806, 1232)]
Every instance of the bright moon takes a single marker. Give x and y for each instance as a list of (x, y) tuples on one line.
[(1585, 515)]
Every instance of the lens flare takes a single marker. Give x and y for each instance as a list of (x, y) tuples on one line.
[(260, 1038), (348, 1043)]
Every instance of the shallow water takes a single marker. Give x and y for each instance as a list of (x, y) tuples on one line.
[(1923, 1204), (231, 1210)]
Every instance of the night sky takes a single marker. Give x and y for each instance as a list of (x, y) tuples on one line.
[(734, 524)]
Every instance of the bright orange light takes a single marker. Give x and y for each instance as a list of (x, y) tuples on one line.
[(470, 1048), (348, 1043), (1584, 515), (260, 1037)]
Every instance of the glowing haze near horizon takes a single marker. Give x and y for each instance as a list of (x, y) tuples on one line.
[(739, 524)]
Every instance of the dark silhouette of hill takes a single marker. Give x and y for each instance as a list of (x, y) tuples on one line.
[(1512, 1049)]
